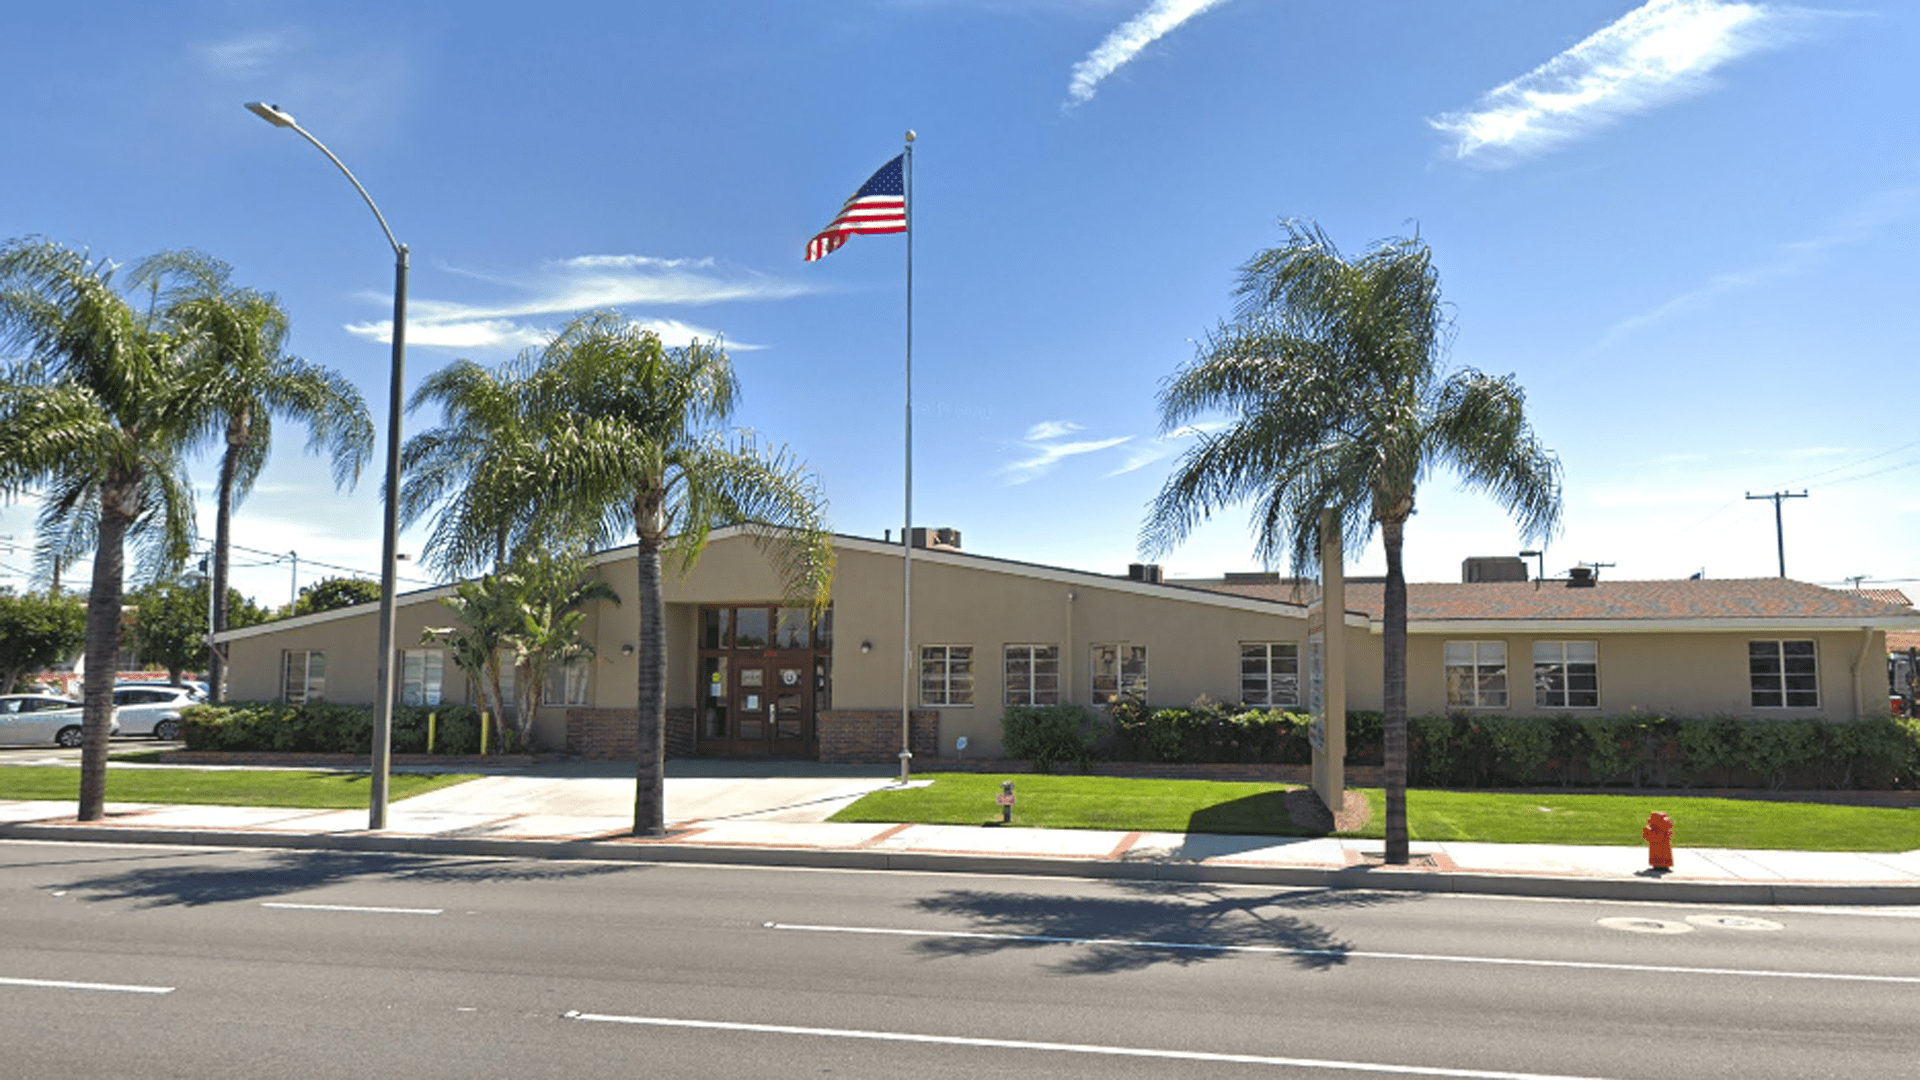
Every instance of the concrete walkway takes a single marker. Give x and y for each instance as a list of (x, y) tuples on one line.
[(775, 813)]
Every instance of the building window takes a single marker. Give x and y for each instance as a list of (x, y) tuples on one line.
[(420, 676), (1119, 671), (1566, 674), (1033, 675), (1783, 674), (304, 677), (946, 674), (1476, 674), (567, 684), (1270, 673)]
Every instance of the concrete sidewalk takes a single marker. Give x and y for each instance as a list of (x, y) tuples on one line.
[(737, 813)]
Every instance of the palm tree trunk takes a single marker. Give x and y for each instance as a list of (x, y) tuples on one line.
[(1393, 693), (222, 540), (103, 648), (650, 770)]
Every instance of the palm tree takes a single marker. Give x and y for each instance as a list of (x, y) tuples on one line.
[(99, 412), (468, 472), (1331, 371), (244, 333), (614, 434)]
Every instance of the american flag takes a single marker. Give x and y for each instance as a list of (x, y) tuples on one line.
[(880, 206)]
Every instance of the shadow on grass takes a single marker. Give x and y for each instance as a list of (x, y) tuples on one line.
[(283, 873), (1149, 924)]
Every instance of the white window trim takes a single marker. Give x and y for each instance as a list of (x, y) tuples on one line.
[(1270, 647), (1781, 645), (306, 676), (945, 657), (1031, 661), (1139, 689), (432, 690), (1506, 673), (1564, 663)]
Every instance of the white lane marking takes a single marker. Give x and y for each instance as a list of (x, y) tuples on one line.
[(350, 907), (1069, 1048), (57, 984), (1353, 954)]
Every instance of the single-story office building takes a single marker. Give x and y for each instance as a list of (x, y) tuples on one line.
[(751, 676)]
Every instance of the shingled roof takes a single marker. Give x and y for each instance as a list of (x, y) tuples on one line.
[(1746, 600)]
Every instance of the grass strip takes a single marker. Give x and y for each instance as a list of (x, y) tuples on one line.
[(1616, 820), (1101, 802), (228, 787), (1087, 802)]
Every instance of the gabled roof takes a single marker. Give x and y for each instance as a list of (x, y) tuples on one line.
[(1690, 604)]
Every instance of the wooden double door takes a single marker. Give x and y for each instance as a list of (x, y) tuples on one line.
[(765, 673)]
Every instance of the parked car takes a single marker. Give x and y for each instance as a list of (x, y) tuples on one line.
[(29, 719), (152, 709)]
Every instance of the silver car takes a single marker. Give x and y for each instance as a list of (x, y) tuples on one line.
[(152, 709), (31, 719)]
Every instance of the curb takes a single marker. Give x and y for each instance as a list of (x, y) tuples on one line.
[(1664, 890)]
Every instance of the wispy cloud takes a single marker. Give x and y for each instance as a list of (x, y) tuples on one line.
[(1160, 447), (1047, 444), (246, 55), (1160, 18), (1657, 53), (583, 283), (1867, 222)]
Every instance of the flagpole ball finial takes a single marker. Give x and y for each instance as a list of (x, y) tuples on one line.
[(910, 135)]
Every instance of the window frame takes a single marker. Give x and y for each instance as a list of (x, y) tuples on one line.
[(1267, 657), (1567, 674), (1135, 687), (572, 680), (308, 690), (431, 693), (1781, 674), (1030, 668), (1479, 673), (953, 688)]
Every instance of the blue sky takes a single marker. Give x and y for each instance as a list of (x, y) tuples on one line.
[(1685, 228)]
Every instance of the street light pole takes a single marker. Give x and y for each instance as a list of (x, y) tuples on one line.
[(390, 537)]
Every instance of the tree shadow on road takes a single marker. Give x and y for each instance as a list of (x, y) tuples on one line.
[(1152, 923), (282, 873)]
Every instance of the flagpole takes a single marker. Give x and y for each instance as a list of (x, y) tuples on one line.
[(906, 534)]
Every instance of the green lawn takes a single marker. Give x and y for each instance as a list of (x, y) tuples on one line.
[(1098, 802), (236, 787), (1086, 802)]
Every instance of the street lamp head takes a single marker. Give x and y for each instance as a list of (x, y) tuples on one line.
[(272, 114), (1529, 554)]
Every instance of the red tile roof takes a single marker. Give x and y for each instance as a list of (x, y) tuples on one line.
[(1891, 596), (1757, 598)]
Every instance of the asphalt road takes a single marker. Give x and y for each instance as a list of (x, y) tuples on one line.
[(143, 961)]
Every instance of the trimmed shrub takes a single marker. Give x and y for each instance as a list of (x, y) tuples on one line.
[(1210, 733), (323, 727), (1050, 734)]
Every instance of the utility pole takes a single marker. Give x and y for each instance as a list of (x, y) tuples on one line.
[(1779, 530)]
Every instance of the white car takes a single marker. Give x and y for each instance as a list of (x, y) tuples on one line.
[(32, 719), (152, 709)]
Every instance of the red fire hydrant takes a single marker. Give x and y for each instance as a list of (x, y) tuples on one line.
[(1659, 837)]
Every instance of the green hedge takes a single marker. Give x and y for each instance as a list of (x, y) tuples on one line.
[(1210, 733), (1478, 750), (1049, 735), (323, 727)]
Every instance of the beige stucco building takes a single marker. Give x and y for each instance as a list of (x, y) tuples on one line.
[(749, 675)]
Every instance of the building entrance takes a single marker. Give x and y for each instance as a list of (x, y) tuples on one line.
[(765, 673)]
